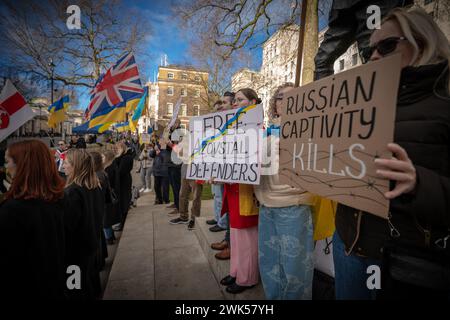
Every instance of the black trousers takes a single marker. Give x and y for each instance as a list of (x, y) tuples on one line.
[(162, 189), (175, 183), (345, 26)]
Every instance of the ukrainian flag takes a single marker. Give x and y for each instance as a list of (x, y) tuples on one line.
[(122, 126), (116, 113), (57, 111), (139, 111)]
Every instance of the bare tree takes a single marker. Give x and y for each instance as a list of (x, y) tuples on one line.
[(235, 24), (35, 32), (206, 54)]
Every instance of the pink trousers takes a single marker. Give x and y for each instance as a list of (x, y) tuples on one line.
[(244, 256)]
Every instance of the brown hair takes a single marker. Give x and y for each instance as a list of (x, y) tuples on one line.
[(83, 173), (273, 99), (250, 94), (98, 161), (36, 175)]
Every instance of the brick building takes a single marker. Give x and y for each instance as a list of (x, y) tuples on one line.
[(186, 82)]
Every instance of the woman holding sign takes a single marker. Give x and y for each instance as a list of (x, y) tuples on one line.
[(239, 202), (285, 231), (418, 229)]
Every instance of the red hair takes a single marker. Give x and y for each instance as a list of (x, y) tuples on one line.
[(36, 175)]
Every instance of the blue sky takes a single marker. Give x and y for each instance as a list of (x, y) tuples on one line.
[(166, 38)]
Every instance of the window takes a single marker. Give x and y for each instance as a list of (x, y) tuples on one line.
[(170, 91), (285, 68), (183, 92), (292, 65), (354, 59), (196, 110), (183, 109), (184, 76), (341, 64), (285, 79), (291, 75), (197, 93), (170, 75), (197, 78), (169, 109)]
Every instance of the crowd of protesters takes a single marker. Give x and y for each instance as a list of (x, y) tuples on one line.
[(269, 227), (56, 216)]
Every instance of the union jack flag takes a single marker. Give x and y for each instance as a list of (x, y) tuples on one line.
[(119, 84)]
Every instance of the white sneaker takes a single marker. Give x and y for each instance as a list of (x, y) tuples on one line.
[(142, 190), (147, 190)]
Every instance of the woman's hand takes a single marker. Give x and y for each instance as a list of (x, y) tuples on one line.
[(399, 169)]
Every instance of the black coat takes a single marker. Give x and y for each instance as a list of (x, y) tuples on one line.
[(112, 214), (103, 250), (125, 164), (161, 162), (32, 250), (83, 220), (422, 128)]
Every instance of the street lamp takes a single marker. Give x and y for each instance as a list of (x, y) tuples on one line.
[(52, 68)]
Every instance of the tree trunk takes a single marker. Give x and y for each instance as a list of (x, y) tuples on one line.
[(311, 42)]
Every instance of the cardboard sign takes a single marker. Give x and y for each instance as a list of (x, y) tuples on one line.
[(176, 110), (334, 128), (145, 138), (226, 146)]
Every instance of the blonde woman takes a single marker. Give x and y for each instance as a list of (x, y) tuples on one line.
[(419, 172), (85, 207)]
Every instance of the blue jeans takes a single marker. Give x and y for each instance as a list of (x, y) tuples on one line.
[(109, 233), (351, 273), (222, 221), (286, 252)]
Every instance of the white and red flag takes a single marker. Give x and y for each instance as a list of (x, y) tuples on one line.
[(14, 110)]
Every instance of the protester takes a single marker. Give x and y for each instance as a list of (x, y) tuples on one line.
[(81, 143), (285, 230), (174, 169), (146, 169), (160, 174), (419, 218), (85, 203), (125, 163), (222, 221), (60, 154), (239, 202), (32, 225), (112, 215), (187, 187)]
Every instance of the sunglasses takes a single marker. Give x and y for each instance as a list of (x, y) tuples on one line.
[(383, 47)]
